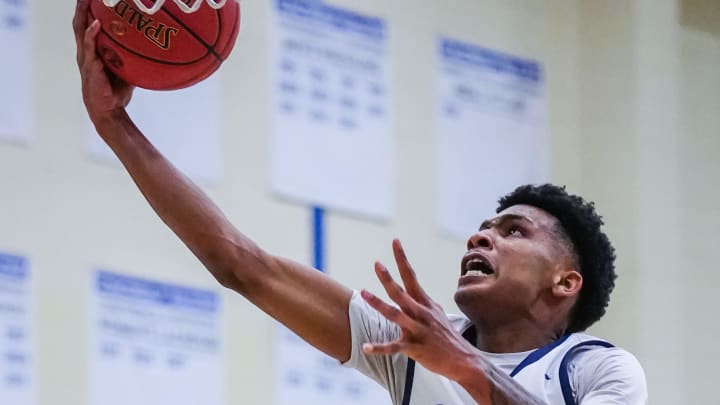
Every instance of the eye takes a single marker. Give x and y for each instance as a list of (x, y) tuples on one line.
[(514, 230)]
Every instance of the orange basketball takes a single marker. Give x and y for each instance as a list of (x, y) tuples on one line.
[(169, 49)]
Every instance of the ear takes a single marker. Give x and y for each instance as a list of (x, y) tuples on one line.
[(567, 283)]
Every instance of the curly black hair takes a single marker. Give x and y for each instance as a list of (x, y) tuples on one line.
[(594, 252)]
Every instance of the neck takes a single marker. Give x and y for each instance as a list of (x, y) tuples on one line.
[(513, 338)]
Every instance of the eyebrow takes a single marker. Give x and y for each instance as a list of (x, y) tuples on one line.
[(489, 223)]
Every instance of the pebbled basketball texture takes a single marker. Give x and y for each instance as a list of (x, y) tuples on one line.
[(167, 50)]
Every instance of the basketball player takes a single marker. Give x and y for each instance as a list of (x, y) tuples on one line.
[(533, 278)]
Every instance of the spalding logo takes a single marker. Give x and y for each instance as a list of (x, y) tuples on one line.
[(158, 33)]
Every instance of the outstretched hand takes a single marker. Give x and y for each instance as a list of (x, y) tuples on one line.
[(427, 335), (103, 92)]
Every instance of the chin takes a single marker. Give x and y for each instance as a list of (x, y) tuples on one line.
[(467, 297), (475, 289)]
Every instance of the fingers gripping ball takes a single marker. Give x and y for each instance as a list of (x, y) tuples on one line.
[(169, 49)]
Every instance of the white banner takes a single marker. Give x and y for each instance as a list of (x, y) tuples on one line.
[(304, 375), (491, 132), (16, 361), (154, 343), (331, 139), (15, 70)]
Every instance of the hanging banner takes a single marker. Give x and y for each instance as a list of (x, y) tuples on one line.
[(154, 343), (304, 375), (15, 70), (491, 132), (331, 138), (16, 360)]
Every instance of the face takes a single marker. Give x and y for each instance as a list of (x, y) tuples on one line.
[(512, 262)]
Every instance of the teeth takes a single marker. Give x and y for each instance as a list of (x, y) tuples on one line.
[(472, 261), (478, 267)]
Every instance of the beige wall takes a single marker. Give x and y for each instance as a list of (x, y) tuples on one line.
[(634, 107), (650, 137)]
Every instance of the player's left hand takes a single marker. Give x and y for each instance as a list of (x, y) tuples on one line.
[(427, 335)]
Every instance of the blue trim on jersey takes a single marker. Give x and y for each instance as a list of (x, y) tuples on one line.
[(530, 359), (564, 377), (409, 376), (537, 355)]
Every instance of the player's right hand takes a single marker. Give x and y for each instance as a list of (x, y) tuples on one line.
[(103, 93)]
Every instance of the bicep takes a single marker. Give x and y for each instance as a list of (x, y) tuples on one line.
[(307, 301)]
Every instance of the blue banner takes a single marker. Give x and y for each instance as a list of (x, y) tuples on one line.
[(15, 267), (453, 50), (334, 17), (156, 292)]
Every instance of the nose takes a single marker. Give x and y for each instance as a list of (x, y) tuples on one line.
[(480, 239)]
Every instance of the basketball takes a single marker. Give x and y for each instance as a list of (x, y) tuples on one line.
[(165, 45)]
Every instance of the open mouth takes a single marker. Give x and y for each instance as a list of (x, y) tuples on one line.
[(475, 264)]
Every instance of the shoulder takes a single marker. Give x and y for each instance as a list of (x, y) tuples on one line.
[(604, 372), (608, 360), (594, 354)]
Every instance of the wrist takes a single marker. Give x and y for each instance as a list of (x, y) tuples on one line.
[(472, 371), (109, 122)]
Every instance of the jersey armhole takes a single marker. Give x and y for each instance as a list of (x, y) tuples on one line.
[(563, 371)]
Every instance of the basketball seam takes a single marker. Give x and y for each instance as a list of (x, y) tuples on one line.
[(230, 44), (150, 58), (210, 48)]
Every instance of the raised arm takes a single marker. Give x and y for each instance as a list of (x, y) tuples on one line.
[(298, 296)]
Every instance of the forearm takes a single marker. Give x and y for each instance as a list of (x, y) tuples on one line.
[(490, 386), (189, 213)]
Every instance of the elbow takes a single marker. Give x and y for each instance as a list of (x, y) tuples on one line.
[(236, 268), (225, 277)]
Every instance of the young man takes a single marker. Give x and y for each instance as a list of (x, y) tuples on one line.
[(533, 277)]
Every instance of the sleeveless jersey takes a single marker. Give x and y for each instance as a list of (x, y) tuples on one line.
[(576, 367)]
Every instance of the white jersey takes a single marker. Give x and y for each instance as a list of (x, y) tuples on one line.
[(576, 369)]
